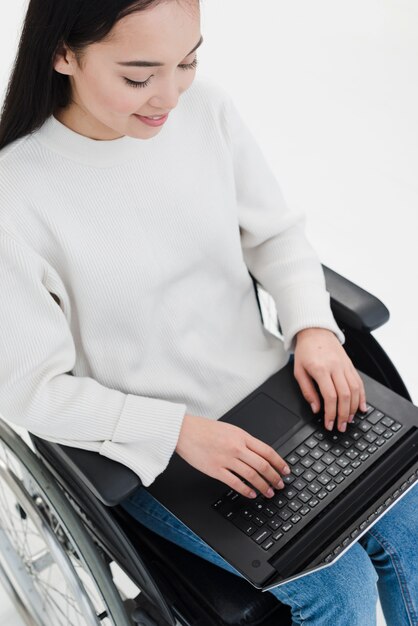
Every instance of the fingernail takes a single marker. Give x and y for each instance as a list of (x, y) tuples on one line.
[(330, 426), (343, 427), (253, 494), (280, 484), (286, 469), (313, 407), (350, 419), (364, 407), (270, 492)]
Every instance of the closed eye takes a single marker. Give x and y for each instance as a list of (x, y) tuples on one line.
[(183, 66)]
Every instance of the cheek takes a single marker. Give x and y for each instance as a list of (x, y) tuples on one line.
[(113, 94)]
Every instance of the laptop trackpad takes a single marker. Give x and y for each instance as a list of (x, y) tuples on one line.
[(264, 418)]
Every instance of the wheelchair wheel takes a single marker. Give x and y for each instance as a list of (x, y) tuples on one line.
[(49, 565)]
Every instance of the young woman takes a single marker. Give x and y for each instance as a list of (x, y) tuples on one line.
[(135, 205)]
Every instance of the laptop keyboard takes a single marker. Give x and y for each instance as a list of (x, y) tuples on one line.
[(318, 466)]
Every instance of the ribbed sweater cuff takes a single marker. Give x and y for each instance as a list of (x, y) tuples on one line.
[(146, 435), (305, 306)]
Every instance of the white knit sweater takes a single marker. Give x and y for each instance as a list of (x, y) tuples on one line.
[(147, 244)]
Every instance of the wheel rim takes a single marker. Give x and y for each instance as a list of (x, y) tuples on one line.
[(48, 581)]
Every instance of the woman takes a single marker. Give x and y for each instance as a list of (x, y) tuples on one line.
[(134, 205)]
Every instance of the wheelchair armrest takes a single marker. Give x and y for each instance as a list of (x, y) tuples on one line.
[(110, 481), (351, 305)]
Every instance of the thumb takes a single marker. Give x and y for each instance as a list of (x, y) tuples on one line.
[(308, 389)]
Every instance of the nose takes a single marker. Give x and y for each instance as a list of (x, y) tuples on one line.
[(167, 97)]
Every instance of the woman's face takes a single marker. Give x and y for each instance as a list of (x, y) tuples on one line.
[(104, 104)]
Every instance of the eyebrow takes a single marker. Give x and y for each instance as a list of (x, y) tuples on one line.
[(154, 63)]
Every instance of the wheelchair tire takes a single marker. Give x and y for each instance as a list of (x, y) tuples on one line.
[(50, 566)]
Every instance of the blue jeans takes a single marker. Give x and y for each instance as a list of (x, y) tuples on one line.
[(383, 561)]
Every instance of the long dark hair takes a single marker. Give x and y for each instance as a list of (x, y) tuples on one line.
[(35, 89)]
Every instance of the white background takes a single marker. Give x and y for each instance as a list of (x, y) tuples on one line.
[(329, 89)]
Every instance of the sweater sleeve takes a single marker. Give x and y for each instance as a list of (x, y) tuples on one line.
[(274, 244), (39, 393)]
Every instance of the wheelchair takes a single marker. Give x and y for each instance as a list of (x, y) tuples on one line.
[(64, 535)]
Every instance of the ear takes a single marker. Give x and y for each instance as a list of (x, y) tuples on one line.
[(64, 60)]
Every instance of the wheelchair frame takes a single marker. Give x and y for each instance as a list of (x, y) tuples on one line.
[(74, 495)]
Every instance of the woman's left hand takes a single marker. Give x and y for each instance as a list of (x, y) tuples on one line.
[(319, 355)]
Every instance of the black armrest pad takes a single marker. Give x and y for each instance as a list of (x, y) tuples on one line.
[(110, 481), (353, 306)]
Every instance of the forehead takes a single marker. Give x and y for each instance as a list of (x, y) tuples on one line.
[(172, 23)]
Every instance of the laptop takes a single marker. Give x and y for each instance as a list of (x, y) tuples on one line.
[(340, 483)]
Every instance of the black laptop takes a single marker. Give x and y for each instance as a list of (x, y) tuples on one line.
[(339, 486)]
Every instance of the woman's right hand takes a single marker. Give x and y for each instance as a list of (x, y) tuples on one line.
[(218, 449)]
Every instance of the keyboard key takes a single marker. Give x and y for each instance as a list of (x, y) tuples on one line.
[(318, 467), (299, 484), (347, 471), (369, 409), (309, 475), (330, 486), (355, 434), (307, 462), (297, 470), (292, 459), (372, 449), (314, 487), (288, 479), (285, 514), (364, 456), (320, 436), (247, 514), (304, 510), (261, 535), (302, 450), (337, 451), (379, 429), (370, 437), (339, 479), (295, 519), (379, 442), (352, 454), (279, 501), (290, 493), (294, 505), (274, 524), (347, 442), (259, 520), (267, 544), (304, 496), (313, 502), (311, 442), (269, 511), (286, 527), (388, 434), (360, 445), (321, 494), (396, 427), (325, 446), (365, 426), (355, 464), (343, 462), (375, 417), (316, 454), (324, 479), (328, 459), (333, 470), (277, 535), (387, 421)]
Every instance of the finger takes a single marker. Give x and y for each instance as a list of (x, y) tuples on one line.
[(227, 477), (263, 467), (344, 398), (329, 394), (362, 404), (307, 387), (266, 451), (353, 382), (252, 476)]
